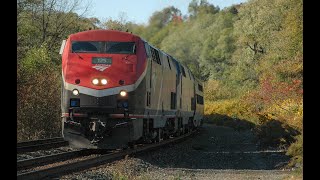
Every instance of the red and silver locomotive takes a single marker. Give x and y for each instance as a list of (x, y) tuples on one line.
[(117, 90)]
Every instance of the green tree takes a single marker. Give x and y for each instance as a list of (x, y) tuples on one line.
[(200, 7), (41, 26)]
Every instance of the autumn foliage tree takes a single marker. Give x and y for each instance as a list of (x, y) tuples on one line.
[(41, 27)]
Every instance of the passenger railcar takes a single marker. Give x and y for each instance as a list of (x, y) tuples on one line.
[(118, 89)]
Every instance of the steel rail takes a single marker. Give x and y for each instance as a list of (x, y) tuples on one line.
[(43, 160), (28, 146), (57, 171), (40, 141)]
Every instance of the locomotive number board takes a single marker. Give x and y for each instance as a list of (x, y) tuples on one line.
[(101, 60)]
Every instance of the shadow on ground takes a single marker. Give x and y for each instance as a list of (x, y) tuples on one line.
[(269, 133), (224, 120), (226, 143)]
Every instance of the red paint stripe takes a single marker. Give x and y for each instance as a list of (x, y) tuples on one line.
[(74, 114), (119, 115), (139, 116)]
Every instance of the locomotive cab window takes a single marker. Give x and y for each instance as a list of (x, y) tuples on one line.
[(86, 47), (103, 47), (120, 48)]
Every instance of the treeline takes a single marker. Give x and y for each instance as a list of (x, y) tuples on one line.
[(250, 56), (41, 27)]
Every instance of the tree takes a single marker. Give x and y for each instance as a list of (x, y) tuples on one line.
[(159, 20), (201, 7), (271, 36), (41, 26), (47, 22), (121, 24)]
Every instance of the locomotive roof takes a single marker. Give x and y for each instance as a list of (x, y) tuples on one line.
[(103, 35)]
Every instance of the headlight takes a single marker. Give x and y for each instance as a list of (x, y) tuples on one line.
[(75, 92), (95, 81), (104, 81), (123, 93)]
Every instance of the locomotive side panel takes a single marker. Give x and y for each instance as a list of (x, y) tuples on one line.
[(187, 95), (157, 81), (168, 86), (140, 92), (177, 99), (199, 102)]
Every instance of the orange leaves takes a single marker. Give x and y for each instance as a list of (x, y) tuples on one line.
[(279, 100), (271, 90)]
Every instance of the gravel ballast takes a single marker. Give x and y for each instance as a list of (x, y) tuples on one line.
[(216, 152), (39, 153)]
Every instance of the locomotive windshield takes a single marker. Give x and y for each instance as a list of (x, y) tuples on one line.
[(103, 47), (86, 47), (120, 47)]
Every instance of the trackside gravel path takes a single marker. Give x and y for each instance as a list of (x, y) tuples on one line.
[(215, 153)]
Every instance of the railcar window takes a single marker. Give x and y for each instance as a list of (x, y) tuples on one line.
[(155, 55), (199, 99), (147, 47), (86, 47), (200, 88), (193, 104), (183, 72), (169, 62)]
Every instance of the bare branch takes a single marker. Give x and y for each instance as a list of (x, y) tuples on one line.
[(255, 48)]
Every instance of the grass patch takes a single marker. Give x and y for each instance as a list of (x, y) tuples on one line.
[(231, 113), (234, 108), (296, 152)]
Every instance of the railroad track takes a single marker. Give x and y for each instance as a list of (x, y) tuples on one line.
[(29, 146), (43, 160), (57, 171)]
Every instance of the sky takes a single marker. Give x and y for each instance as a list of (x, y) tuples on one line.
[(139, 11)]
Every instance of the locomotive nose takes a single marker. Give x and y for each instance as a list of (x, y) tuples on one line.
[(101, 71)]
